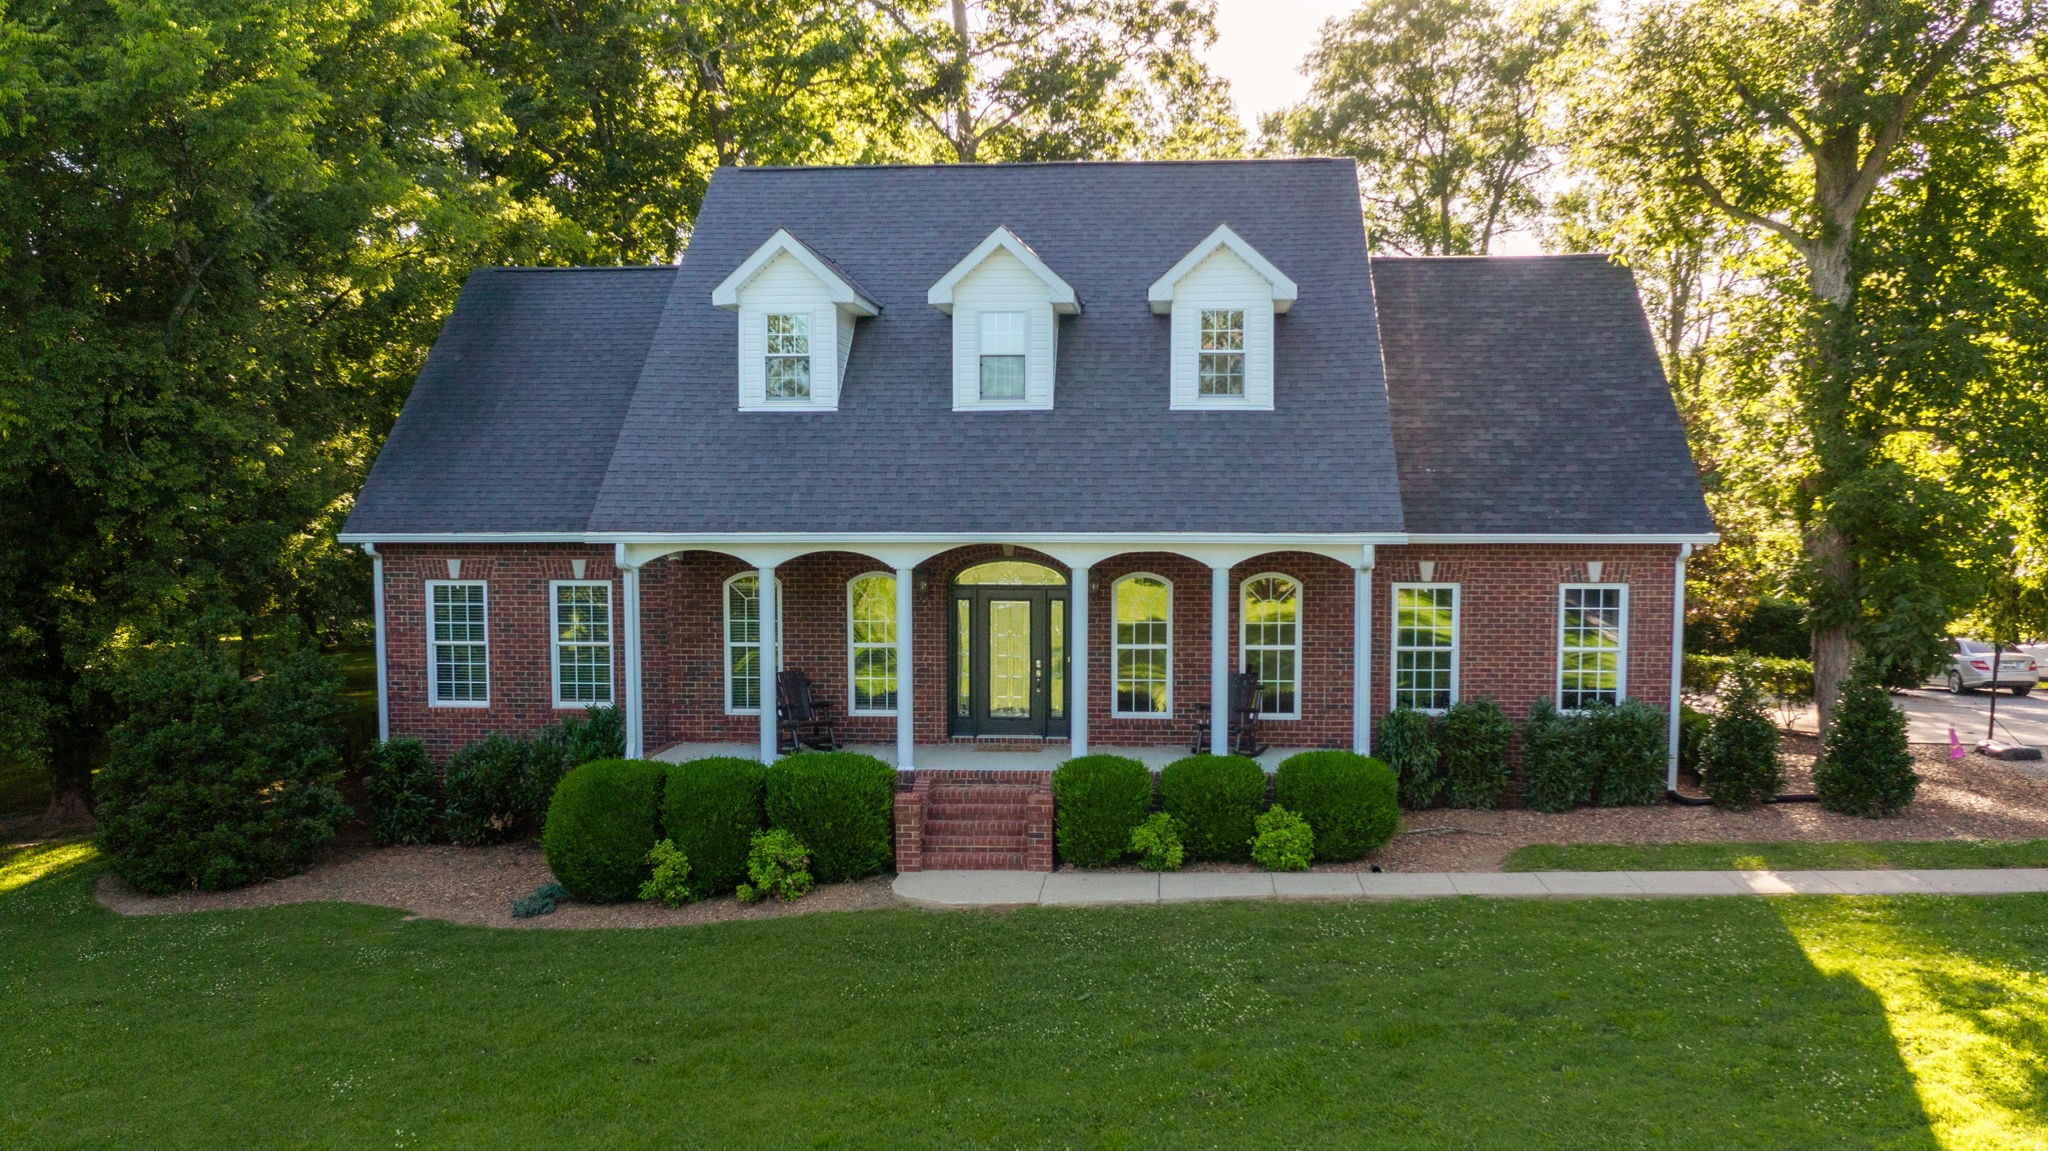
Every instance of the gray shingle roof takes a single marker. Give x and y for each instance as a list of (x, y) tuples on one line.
[(1527, 398)]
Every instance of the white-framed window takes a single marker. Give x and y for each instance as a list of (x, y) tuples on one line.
[(1002, 355), (871, 644), (1592, 645), (1425, 646), (1220, 369), (1269, 636), (1141, 647), (743, 642), (581, 627), (789, 356), (458, 644)]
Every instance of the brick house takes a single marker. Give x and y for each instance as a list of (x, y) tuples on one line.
[(1030, 457)]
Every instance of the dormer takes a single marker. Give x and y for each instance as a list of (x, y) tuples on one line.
[(1222, 297), (796, 314), (1005, 305)]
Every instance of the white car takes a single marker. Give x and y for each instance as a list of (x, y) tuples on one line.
[(1970, 668)]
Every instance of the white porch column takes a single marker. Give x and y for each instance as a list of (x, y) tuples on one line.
[(1077, 654), (771, 615), (1677, 658), (1361, 659), (629, 591), (906, 691), (1219, 659), (383, 676)]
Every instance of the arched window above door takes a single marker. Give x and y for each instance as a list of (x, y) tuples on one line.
[(1010, 573)]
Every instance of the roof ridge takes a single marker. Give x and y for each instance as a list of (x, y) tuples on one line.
[(1245, 161), (576, 267), (1423, 259)]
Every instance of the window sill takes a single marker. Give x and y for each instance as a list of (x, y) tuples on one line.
[(459, 703), (578, 705), (1154, 715), (1218, 404), (1002, 406)]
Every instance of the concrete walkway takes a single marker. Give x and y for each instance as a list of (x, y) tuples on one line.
[(1083, 888)]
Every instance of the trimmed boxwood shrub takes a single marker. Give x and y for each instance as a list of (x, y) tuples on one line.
[(1406, 742), (1629, 745), (1350, 800), (842, 805), (1098, 800), (1865, 767), (1216, 798), (711, 808), (1474, 739), (490, 791), (604, 820), (1556, 774), (402, 789), (1739, 757)]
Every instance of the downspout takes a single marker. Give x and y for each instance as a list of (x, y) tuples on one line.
[(629, 591), (1677, 660), (377, 608)]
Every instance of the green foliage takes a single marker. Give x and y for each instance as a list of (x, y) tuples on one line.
[(1557, 771), (214, 780), (1098, 801), (778, 866), (1350, 799), (602, 824), (402, 789), (491, 797), (1283, 841), (1739, 757), (1693, 726), (1629, 745), (841, 805), (1214, 798), (1790, 680), (1475, 737), (540, 901), (1406, 742), (1865, 767), (669, 882), (1156, 842), (711, 808)]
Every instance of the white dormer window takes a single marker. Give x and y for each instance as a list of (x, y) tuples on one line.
[(796, 319), (1222, 297), (1005, 303)]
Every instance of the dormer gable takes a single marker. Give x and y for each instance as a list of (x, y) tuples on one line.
[(1222, 297), (796, 322), (1005, 303)]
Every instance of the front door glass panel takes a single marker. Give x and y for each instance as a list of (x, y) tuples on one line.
[(1010, 678)]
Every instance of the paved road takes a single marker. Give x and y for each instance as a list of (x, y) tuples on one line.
[(1930, 712)]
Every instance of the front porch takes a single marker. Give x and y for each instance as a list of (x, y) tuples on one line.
[(961, 755)]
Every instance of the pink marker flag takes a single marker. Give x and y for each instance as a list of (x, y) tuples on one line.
[(1955, 746)]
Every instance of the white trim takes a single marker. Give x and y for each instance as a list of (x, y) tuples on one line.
[(1160, 294), (725, 637), (1117, 646), (906, 665), (378, 630), (1621, 663), (1299, 646), (433, 680), (1677, 657), (555, 644), (853, 649), (826, 541), (1361, 659), (770, 659), (1219, 659), (1559, 538), (1059, 293), (842, 293), (1394, 648), (629, 589), (1078, 576)]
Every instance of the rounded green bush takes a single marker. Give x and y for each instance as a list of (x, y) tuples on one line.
[(1098, 800), (402, 792), (1865, 767), (711, 808), (842, 805), (1406, 741), (1216, 798), (602, 823), (1351, 800), (1474, 736)]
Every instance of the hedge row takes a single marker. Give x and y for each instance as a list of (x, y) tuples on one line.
[(494, 790), (1790, 680), (1607, 755)]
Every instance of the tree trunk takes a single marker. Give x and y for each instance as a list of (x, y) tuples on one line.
[(1827, 550), (71, 758), (963, 112)]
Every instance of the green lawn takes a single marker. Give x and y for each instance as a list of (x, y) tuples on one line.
[(1756, 1023), (1776, 856)]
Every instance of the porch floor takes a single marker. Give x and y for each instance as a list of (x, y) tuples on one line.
[(956, 756)]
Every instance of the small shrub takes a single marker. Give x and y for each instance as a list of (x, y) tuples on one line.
[(1350, 799), (1556, 771), (1629, 746), (1215, 798), (1475, 738), (1407, 743), (1739, 757), (711, 808), (541, 900), (1098, 801), (1693, 725), (1865, 767), (402, 789), (778, 866), (214, 780), (842, 805), (599, 733), (669, 883), (1284, 841), (490, 795), (602, 823), (1157, 843)]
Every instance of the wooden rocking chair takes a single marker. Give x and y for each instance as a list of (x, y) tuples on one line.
[(802, 721), (1244, 718)]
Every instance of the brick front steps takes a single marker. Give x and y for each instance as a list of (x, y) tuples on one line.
[(966, 820)]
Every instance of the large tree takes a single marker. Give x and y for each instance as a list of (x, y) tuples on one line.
[(1800, 121), (1449, 108)]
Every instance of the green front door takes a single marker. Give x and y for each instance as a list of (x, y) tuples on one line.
[(1009, 661)]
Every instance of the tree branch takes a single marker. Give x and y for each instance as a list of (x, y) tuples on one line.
[(1787, 232), (1888, 134)]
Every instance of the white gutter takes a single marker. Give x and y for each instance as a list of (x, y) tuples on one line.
[(377, 608), (1677, 657)]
